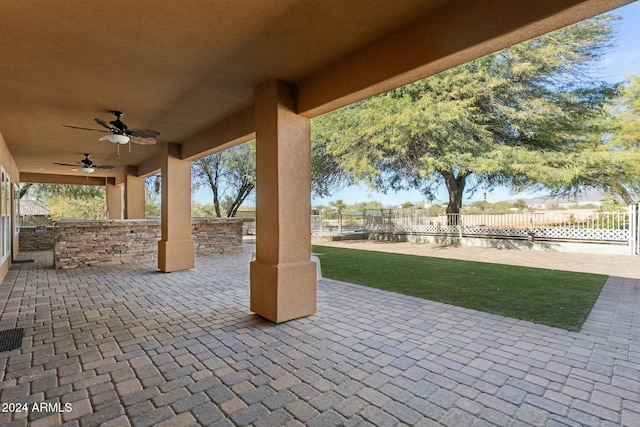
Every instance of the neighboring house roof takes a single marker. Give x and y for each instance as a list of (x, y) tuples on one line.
[(33, 208)]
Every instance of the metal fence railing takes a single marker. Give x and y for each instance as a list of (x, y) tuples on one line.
[(612, 227), (35, 221)]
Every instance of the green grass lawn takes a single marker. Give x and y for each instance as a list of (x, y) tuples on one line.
[(556, 298)]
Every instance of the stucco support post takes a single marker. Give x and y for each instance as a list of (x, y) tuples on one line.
[(113, 196), (283, 277), (134, 200), (176, 248)]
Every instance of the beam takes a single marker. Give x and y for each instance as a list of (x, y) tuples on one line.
[(148, 167), (46, 178), (232, 131), (457, 32)]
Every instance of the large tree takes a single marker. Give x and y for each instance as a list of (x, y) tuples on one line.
[(529, 115), (229, 174), (327, 175), (625, 142), (45, 192), (68, 201), (628, 134)]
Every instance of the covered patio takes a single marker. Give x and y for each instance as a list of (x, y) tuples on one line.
[(222, 340), (105, 341), (209, 75)]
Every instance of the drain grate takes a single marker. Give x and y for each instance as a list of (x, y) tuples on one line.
[(11, 339)]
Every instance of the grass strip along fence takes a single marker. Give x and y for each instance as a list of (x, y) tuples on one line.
[(551, 297)]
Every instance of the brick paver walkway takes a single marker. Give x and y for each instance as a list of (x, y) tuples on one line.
[(129, 346)]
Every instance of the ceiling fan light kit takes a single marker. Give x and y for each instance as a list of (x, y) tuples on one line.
[(116, 139), (88, 170)]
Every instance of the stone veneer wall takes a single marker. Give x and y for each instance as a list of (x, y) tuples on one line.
[(35, 239), (90, 243), (217, 235)]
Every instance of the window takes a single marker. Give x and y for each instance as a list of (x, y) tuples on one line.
[(16, 209), (5, 214)]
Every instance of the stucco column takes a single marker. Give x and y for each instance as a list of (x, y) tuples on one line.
[(283, 277), (113, 196), (176, 248), (134, 200)]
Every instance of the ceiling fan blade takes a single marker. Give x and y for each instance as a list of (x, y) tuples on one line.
[(103, 166), (144, 133), (66, 164), (81, 128), (143, 141), (107, 125)]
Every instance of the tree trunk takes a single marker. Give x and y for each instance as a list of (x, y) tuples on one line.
[(213, 183), (243, 192), (622, 192), (25, 189), (455, 189), (216, 202)]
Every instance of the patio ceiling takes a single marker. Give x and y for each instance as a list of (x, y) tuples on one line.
[(186, 67)]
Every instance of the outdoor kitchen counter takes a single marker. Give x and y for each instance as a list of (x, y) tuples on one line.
[(79, 243)]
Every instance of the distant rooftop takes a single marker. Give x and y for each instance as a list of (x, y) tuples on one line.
[(33, 208)]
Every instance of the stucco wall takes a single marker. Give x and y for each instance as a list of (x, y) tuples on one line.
[(91, 243), (6, 160)]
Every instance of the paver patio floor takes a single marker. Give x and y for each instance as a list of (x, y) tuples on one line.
[(127, 345)]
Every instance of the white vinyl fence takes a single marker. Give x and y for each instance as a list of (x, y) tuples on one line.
[(587, 227)]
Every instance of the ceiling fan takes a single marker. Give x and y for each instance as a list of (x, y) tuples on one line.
[(120, 134), (85, 165)]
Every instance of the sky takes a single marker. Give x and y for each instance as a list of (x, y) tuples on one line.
[(620, 62)]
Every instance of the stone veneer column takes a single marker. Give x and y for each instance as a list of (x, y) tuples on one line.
[(113, 195), (134, 200), (283, 277), (176, 248)]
